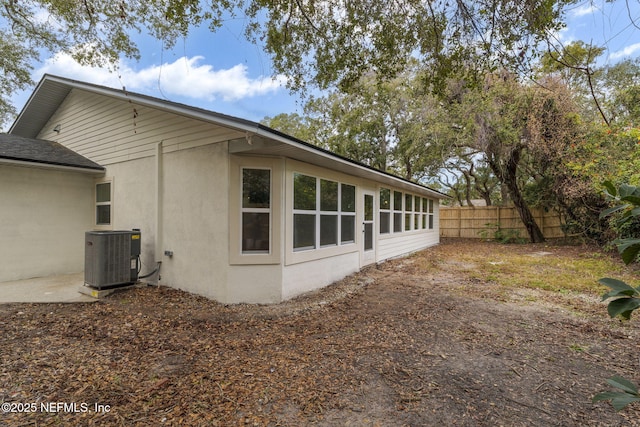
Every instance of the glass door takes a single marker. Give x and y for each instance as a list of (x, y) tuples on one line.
[(368, 229)]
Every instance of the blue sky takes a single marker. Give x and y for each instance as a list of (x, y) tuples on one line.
[(225, 73)]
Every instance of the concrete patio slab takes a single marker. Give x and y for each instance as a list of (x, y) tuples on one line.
[(51, 289)]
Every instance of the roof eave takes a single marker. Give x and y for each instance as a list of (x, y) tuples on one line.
[(221, 120), (49, 165)]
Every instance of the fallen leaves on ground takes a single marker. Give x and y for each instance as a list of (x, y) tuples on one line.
[(413, 341)]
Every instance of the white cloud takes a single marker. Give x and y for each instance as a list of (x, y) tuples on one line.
[(185, 77), (627, 51), (585, 9)]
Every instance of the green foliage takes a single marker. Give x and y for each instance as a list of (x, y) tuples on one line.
[(625, 299), (293, 125), (619, 400), (501, 235), (339, 42), (627, 199), (313, 42), (93, 32)]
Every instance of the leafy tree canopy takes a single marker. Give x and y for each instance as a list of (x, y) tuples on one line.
[(314, 42)]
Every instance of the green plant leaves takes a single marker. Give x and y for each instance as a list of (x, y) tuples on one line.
[(628, 298), (628, 249), (619, 288), (619, 399), (605, 213), (623, 307), (623, 384)]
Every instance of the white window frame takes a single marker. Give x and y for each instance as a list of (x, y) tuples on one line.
[(343, 213), (310, 212), (268, 210), (408, 212), (237, 164), (425, 213), (388, 211), (318, 213), (417, 204), (431, 212), (397, 211), (103, 226), (322, 213)]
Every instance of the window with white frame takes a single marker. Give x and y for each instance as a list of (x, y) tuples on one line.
[(416, 216), (430, 214), (328, 213), (425, 209), (385, 211), (323, 213), (103, 203), (347, 213), (408, 212), (256, 211), (397, 212)]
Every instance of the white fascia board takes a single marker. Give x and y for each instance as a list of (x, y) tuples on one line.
[(38, 165), (364, 171), (248, 127)]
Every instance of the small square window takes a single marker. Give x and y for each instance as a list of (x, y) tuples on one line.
[(328, 195), (328, 230), (256, 188), (255, 232), (407, 221), (304, 192), (385, 198), (348, 198), (103, 214), (397, 222), (397, 201), (347, 229), (103, 192), (304, 231), (384, 222), (103, 203), (408, 202)]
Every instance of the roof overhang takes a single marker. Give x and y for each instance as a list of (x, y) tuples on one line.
[(52, 90), (269, 145), (49, 166)]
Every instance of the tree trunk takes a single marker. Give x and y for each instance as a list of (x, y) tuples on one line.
[(508, 176), (535, 234), (467, 188)]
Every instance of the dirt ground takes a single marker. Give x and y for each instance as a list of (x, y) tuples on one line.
[(412, 342)]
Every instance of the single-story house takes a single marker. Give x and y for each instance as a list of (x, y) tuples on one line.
[(228, 208)]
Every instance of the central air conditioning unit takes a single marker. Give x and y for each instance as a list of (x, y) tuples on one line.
[(111, 258)]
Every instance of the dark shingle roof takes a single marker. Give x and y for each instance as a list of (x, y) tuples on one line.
[(13, 147)]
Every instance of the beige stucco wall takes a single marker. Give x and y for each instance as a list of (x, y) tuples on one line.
[(260, 284), (195, 220), (133, 205), (304, 271), (311, 275), (192, 213), (197, 212), (43, 217)]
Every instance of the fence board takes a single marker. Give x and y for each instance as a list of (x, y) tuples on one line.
[(470, 222)]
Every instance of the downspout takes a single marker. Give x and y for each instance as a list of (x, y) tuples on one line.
[(159, 244)]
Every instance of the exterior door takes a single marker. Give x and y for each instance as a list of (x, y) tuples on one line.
[(367, 248)]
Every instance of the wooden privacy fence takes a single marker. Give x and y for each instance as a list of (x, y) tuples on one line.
[(471, 222)]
